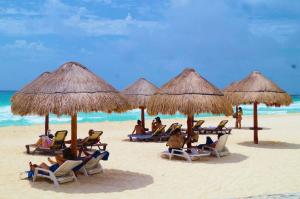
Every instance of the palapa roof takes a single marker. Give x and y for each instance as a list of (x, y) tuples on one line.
[(257, 88), (70, 89), (189, 94), (139, 93)]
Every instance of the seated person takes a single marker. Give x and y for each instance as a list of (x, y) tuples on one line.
[(139, 129), (156, 124), (59, 160), (210, 142), (176, 141), (81, 141), (45, 141)]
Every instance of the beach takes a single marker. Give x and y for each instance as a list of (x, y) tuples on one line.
[(136, 170)]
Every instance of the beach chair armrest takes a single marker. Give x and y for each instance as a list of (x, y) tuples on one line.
[(44, 170), (208, 147)]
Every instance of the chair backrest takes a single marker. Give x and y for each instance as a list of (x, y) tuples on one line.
[(59, 139), (198, 124), (93, 162), (159, 130), (222, 124), (94, 138), (221, 143), (66, 167), (171, 128)]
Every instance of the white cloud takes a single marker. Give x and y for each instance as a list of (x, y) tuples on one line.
[(280, 31), (99, 1), (17, 11), (57, 18), (25, 45)]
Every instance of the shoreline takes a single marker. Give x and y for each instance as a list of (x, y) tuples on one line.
[(230, 118)]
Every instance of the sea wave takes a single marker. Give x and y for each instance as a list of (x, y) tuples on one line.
[(8, 119)]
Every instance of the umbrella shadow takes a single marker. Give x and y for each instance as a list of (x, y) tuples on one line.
[(136, 141), (231, 158), (228, 159), (271, 145), (249, 128), (110, 181)]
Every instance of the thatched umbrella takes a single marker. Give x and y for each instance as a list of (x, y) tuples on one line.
[(189, 94), (70, 89), (32, 87), (138, 95), (257, 89)]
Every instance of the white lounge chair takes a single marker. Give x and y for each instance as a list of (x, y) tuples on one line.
[(62, 175), (220, 149), (93, 166), (194, 155)]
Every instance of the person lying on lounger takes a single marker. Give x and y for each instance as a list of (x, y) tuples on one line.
[(45, 141), (210, 142), (59, 160), (139, 129), (81, 141), (176, 141)]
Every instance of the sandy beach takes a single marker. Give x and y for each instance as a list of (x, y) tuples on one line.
[(136, 170)]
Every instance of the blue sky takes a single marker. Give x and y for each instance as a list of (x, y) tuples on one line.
[(122, 40)]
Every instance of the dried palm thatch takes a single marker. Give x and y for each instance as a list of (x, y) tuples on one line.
[(257, 88), (34, 86), (139, 93), (70, 89), (189, 94)]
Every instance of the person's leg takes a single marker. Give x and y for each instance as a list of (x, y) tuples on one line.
[(39, 142), (44, 166)]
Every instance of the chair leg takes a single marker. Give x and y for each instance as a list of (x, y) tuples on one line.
[(27, 149)]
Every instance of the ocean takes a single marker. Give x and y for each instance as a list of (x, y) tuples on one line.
[(8, 119)]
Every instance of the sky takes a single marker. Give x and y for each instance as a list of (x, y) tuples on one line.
[(123, 40)]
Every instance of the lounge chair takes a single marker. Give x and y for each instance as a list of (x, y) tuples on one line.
[(94, 141), (58, 144), (93, 166), (165, 136), (148, 136), (193, 155), (220, 149), (62, 175), (196, 126), (221, 128)]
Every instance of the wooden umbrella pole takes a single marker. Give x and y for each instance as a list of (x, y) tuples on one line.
[(74, 134), (46, 124), (236, 119), (190, 120), (143, 116), (255, 123)]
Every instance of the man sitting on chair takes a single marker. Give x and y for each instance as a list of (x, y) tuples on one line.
[(176, 141), (139, 129)]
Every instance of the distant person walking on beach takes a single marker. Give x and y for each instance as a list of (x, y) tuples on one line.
[(240, 117)]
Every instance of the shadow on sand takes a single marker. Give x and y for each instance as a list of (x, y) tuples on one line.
[(108, 182), (232, 158), (271, 145)]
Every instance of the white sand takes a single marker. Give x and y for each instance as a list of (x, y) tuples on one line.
[(136, 170)]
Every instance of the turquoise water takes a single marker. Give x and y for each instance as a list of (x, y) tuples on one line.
[(8, 119)]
